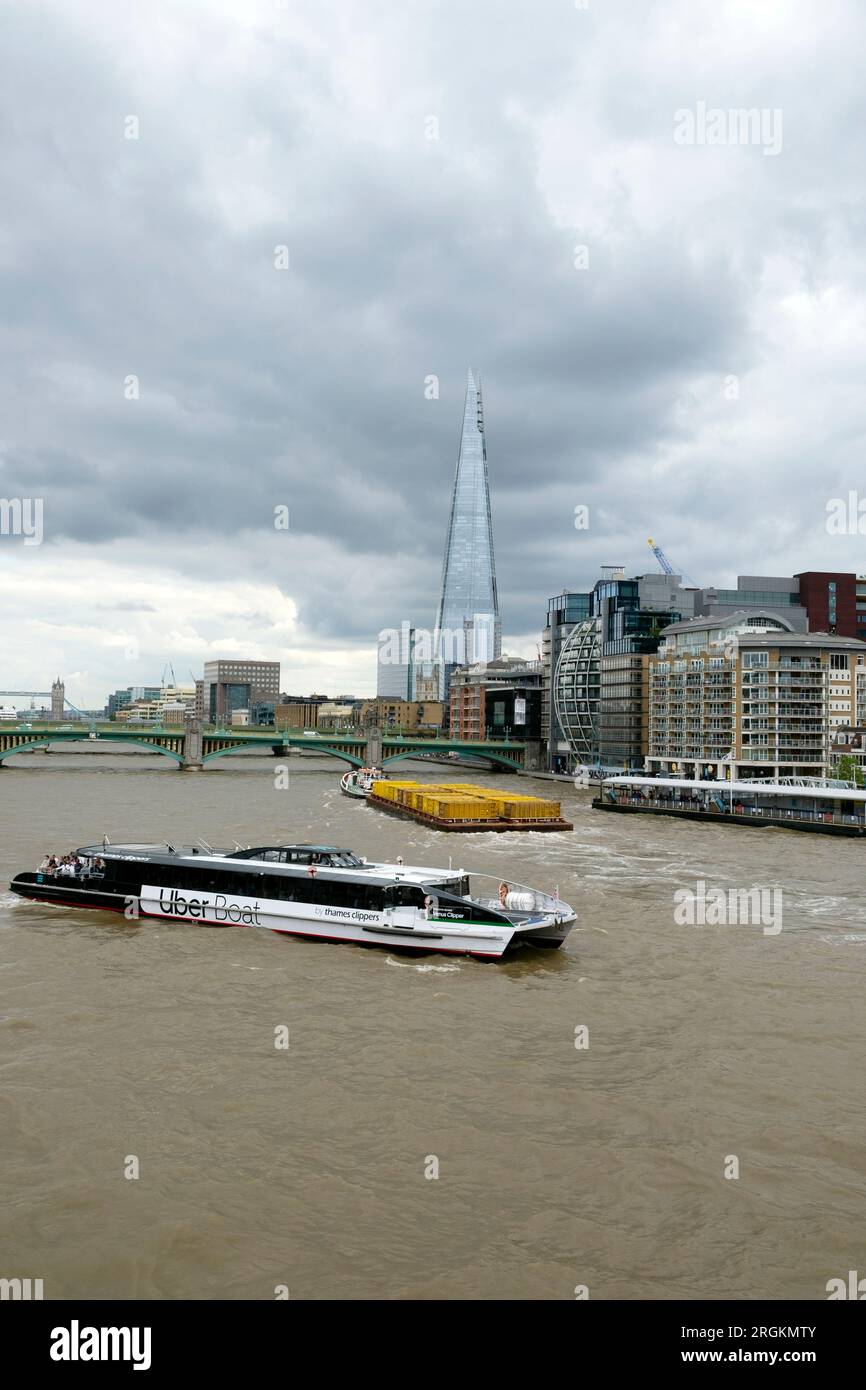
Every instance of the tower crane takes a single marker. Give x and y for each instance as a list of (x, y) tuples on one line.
[(666, 564)]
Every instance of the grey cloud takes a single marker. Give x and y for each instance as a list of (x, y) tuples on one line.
[(408, 257)]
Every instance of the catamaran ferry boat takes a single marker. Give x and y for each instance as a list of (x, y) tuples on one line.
[(317, 891)]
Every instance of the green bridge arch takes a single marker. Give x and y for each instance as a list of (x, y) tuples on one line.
[(466, 753), (48, 739), (284, 747)]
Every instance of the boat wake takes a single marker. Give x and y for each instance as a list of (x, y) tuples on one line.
[(423, 969)]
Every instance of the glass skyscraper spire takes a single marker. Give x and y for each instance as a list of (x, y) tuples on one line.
[(468, 627)]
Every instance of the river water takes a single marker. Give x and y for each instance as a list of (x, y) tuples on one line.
[(709, 1047)]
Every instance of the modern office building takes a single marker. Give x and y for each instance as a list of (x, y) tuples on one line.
[(747, 695), (860, 606), (563, 613), (395, 663), (576, 691), (231, 685), (166, 704), (468, 627), (596, 711), (496, 699), (116, 701), (830, 600), (132, 694), (262, 713), (812, 601), (774, 594)]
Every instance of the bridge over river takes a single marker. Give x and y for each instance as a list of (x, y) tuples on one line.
[(193, 745)]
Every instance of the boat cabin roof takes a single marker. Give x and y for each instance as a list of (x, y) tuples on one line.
[(328, 861), (793, 788)]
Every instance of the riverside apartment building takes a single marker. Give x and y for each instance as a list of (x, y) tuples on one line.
[(745, 695)]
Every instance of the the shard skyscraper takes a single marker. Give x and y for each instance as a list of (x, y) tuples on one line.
[(468, 627)]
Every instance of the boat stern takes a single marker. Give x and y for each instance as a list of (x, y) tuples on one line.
[(549, 930)]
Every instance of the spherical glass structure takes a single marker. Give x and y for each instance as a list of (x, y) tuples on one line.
[(576, 684)]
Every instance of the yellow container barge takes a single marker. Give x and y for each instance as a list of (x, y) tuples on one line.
[(463, 806)]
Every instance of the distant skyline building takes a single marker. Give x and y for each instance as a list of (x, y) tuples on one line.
[(395, 663), (468, 626), (58, 698), (232, 685)]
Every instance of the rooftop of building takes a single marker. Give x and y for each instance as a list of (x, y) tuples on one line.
[(771, 635)]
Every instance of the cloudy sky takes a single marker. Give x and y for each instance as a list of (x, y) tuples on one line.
[(670, 334)]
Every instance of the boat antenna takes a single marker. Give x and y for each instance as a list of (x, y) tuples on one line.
[(105, 842)]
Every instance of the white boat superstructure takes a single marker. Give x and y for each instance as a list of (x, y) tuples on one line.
[(359, 781), (316, 891)]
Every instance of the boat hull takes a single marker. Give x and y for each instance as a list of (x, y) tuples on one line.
[(813, 827), (404, 930)]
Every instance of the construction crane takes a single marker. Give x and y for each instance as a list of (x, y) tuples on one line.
[(666, 564)]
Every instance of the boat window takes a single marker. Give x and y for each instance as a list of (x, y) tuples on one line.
[(458, 886), (407, 895), (341, 893)]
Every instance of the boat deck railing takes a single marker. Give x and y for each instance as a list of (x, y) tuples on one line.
[(542, 902), (712, 805)]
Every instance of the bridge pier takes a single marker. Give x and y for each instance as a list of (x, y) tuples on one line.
[(192, 745), (373, 736), (532, 758)]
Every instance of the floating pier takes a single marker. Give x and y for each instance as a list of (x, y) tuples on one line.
[(463, 806)]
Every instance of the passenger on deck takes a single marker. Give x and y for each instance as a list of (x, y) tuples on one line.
[(45, 866), (503, 893)]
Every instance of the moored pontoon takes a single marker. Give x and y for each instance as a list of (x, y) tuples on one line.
[(794, 803)]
